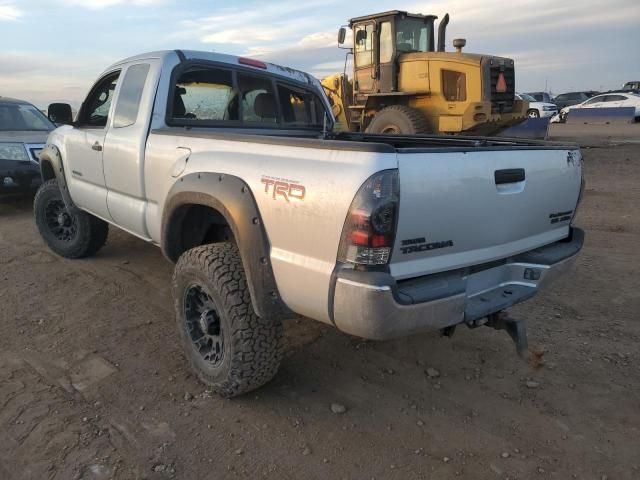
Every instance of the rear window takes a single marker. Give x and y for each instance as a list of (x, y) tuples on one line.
[(258, 99), (299, 108), (216, 96), (205, 94), (14, 117)]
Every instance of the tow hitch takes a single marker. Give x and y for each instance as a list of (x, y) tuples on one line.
[(499, 321), (515, 328)]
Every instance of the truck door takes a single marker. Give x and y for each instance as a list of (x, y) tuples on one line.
[(124, 149), (364, 62), (84, 147)]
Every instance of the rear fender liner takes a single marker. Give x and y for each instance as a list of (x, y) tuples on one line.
[(51, 163), (233, 199)]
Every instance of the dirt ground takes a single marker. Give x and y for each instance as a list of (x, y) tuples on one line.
[(93, 384)]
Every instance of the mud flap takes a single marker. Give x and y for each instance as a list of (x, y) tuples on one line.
[(532, 128)]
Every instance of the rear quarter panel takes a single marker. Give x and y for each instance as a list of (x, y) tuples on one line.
[(304, 233)]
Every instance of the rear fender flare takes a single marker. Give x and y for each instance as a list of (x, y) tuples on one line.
[(233, 199)]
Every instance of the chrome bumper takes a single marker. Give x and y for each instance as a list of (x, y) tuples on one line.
[(373, 305)]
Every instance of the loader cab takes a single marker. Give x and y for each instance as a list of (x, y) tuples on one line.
[(378, 41)]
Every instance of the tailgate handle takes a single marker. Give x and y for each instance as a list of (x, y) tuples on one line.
[(509, 175)]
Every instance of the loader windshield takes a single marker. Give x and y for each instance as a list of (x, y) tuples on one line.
[(411, 35)]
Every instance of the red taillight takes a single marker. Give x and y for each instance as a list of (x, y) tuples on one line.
[(252, 63), (501, 84), (370, 227)]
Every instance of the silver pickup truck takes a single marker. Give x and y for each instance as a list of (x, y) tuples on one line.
[(230, 165)]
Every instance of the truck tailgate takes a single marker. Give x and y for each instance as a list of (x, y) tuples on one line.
[(465, 208)]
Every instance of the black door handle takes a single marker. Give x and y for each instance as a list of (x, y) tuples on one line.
[(97, 147), (509, 175)]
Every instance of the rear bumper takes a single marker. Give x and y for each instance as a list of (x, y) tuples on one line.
[(373, 305)]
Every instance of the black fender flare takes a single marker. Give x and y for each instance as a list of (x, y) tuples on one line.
[(51, 166), (233, 199)]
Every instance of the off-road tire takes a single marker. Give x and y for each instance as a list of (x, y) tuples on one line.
[(252, 346), (90, 233), (399, 120), (533, 113)]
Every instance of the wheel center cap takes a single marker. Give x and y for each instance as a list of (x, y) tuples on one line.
[(63, 219), (204, 321)]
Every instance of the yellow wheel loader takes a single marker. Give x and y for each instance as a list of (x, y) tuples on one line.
[(402, 84)]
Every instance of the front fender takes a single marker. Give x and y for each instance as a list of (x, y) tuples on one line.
[(51, 166), (233, 199)]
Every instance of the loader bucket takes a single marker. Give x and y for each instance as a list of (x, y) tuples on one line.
[(532, 128), (601, 116)]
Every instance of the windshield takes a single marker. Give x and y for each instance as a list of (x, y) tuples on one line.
[(21, 117), (527, 98), (411, 35)]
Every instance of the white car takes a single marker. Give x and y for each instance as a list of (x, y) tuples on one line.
[(537, 109), (606, 100)]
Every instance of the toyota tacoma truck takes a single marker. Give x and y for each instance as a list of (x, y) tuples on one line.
[(231, 167)]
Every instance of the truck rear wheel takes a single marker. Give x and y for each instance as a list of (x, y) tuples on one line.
[(229, 347), (70, 235), (399, 120)]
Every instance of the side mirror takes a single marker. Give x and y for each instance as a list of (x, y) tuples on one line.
[(60, 113), (342, 33)]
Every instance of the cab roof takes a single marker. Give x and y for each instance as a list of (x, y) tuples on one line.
[(391, 13), (233, 60)]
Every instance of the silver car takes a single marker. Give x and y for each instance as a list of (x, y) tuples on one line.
[(23, 133)]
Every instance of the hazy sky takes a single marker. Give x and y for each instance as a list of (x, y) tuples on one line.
[(52, 50)]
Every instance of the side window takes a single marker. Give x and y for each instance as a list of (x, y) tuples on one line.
[(364, 45), (594, 100), (561, 98), (454, 86), (386, 42), (95, 110), (257, 99), (204, 93), (299, 108), (615, 98), (128, 104)]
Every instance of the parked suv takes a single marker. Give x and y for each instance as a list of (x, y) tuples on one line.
[(541, 97), (572, 98), (23, 133)]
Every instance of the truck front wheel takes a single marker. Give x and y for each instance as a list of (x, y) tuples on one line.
[(229, 347), (398, 120), (70, 235)]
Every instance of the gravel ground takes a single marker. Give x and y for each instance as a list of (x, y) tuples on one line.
[(93, 384)]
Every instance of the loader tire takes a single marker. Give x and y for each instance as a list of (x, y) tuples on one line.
[(70, 235), (228, 346), (399, 120)]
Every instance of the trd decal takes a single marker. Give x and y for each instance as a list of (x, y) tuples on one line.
[(560, 216), (414, 245), (281, 187)]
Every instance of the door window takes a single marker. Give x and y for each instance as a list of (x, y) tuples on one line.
[(95, 110), (593, 100), (128, 104), (386, 42), (615, 98), (364, 45)]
